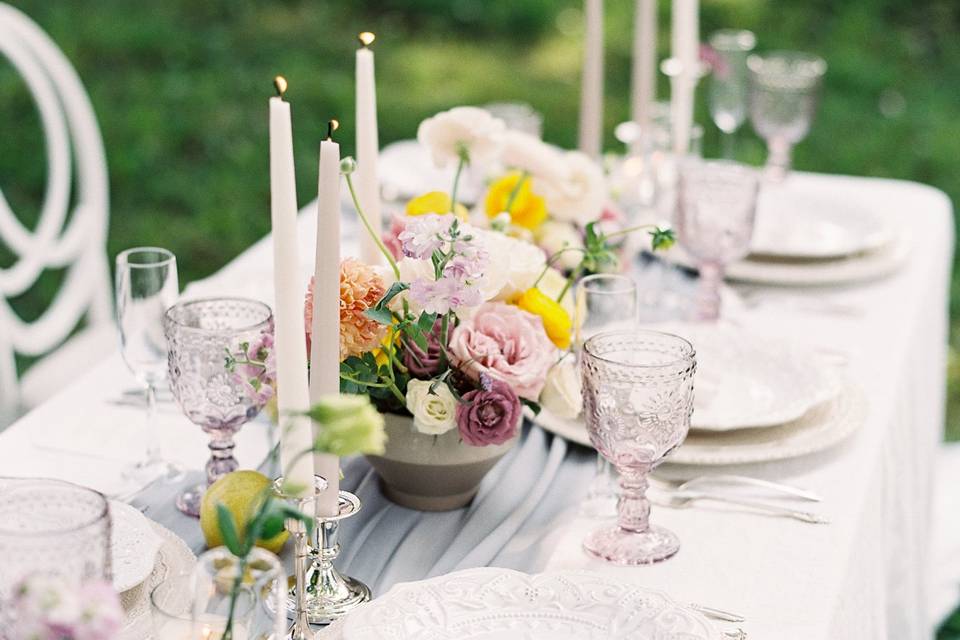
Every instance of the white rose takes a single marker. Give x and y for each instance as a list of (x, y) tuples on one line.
[(469, 128), (531, 154), (553, 236), (561, 394), (579, 195), (513, 265), (433, 413), (551, 284)]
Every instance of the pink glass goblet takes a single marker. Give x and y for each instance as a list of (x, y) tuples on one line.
[(716, 209), (638, 398), (202, 337)]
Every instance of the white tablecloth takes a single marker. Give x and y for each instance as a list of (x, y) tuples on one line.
[(862, 577)]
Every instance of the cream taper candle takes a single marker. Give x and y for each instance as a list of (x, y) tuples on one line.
[(685, 44), (591, 90), (325, 332), (368, 149), (296, 433), (643, 86)]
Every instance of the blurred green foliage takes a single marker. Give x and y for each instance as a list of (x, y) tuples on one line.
[(180, 89)]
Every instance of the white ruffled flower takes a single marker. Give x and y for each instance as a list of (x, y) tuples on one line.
[(529, 153), (562, 395), (554, 236), (512, 268), (462, 129), (433, 413), (579, 195)]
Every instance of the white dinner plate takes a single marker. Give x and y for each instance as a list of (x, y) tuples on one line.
[(134, 546), (496, 604), (820, 429), (814, 225)]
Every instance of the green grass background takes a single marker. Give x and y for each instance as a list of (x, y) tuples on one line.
[(180, 89)]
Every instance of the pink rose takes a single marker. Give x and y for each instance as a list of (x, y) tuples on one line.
[(391, 236), (488, 415), (508, 344)]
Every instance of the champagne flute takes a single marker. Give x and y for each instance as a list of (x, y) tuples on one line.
[(604, 301), (729, 82), (146, 286)]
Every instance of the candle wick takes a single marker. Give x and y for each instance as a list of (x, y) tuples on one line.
[(332, 126), (280, 84)]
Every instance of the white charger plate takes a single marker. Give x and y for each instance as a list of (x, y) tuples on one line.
[(134, 546), (494, 604), (815, 225)]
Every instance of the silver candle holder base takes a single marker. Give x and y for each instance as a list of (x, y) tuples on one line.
[(330, 594)]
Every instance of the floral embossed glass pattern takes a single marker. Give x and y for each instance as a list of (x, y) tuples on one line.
[(201, 336), (638, 398), (50, 527)]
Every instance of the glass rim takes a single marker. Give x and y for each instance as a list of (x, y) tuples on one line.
[(742, 39), (168, 257), (630, 285), (688, 356), (103, 513), (756, 61), (188, 617), (168, 314)]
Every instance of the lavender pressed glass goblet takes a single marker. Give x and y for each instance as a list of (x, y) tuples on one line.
[(201, 337), (638, 398), (716, 208)]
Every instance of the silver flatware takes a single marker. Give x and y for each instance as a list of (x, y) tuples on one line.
[(685, 499), (717, 614), (738, 481)]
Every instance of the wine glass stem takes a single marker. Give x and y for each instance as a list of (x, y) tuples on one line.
[(778, 161), (221, 460), (633, 508), (153, 449), (708, 294)]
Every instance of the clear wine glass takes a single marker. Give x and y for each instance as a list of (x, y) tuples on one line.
[(638, 398), (784, 88), (716, 208), (729, 82), (51, 527), (146, 286), (603, 302), (201, 336)]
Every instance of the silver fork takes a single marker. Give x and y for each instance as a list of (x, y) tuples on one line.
[(685, 499), (734, 480)]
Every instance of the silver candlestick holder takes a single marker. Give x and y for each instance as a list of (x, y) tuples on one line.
[(300, 629), (330, 594)]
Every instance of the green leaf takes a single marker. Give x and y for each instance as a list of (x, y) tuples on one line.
[(273, 524), (533, 406), (383, 316), (228, 531)]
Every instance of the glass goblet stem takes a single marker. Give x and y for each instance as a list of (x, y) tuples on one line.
[(153, 447), (708, 292), (221, 447), (633, 508), (778, 160)]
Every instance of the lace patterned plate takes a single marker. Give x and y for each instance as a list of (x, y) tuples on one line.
[(494, 604), (174, 558), (134, 546)]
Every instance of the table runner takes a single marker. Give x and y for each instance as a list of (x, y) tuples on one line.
[(863, 576)]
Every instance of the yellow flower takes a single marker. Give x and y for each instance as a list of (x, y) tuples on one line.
[(436, 202), (556, 321), (381, 353), (527, 210)]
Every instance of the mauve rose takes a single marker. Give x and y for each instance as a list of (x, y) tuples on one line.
[(488, 415), (424, 364), (507, 343)]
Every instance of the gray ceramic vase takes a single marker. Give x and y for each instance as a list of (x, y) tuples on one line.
[(432, 473)]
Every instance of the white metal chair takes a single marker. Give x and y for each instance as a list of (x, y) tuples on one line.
[(77, 245)]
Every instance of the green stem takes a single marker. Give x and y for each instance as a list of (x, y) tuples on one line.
[(456, 181), (629, 230), (234, 596), (516, 191), (375, 385), (553, 259), (444, 324), (574, 276), (370, 230)]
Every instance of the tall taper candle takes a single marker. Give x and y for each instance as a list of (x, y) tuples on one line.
[(296, 433), (325, 342), (368, 148), (685, 41), (643, 86), (591, 90)]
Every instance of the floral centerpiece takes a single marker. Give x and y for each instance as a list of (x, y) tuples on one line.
[(52, 608)]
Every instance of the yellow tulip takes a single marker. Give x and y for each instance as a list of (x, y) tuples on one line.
[(527, 210), (436, 202), (556, 321)]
